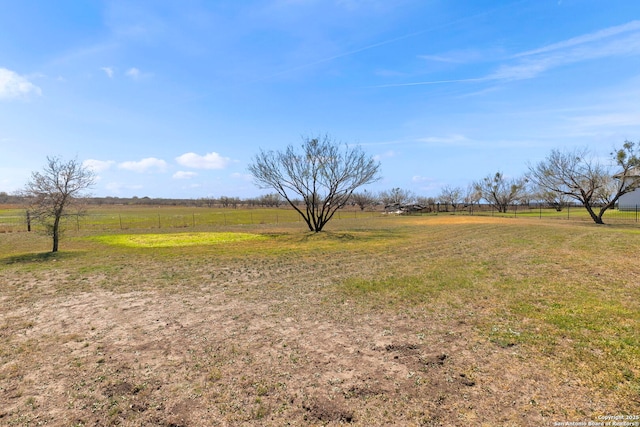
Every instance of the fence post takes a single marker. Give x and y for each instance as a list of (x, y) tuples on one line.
[(158, 220), (568, 209), (120, 217), (193, 219)]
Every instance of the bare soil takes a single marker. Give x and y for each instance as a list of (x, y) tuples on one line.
[(211, 358), (243, 344)]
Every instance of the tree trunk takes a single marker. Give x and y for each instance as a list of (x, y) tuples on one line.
[(596, 218), (55, 231)]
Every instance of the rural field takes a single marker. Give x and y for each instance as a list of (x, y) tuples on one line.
[(380, 320)]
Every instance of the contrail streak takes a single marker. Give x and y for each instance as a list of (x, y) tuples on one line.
[(385, 42), (433, 82)]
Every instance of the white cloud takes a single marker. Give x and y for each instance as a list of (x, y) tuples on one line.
[(386, 154), (98, 165), (420, 179), (108, 71), (211, 160), (15, 86), (134, 73), (145, 165), (184, 175)]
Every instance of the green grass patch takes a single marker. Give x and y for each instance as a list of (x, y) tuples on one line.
[(453, 283), (167, 240)]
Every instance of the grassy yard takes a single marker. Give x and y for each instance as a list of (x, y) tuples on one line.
[(119, 217), (426, 320)]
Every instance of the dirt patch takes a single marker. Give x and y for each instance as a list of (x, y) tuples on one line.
[(201, 337), (207, 358)]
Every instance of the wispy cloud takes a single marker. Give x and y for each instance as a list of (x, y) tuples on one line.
[(432, 82), (420, 179), (134, 73), (604, 121), (150, 164), (584, 39), (465, 56), (211, 160), (445, 140), (98, 165), (184, 175), (108, 71), (15, 86), (621, 40), (385, 155)]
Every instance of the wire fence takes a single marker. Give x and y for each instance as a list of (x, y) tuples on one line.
[(18, 221), (15, 220), (629, 214)]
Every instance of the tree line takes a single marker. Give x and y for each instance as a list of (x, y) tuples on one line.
[(321, 176)]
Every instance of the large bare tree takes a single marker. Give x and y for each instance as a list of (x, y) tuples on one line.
[(578, 175), (323, 173), (52, 192), (499, 191)]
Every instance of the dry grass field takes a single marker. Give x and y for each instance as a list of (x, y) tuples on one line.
[(432, 321)]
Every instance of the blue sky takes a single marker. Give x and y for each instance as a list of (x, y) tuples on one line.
[(174, 98)]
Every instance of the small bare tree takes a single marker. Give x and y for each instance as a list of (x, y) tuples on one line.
[(271, 200), (499, 191), (322, 174), (52, 192), (363, 199), (577, 175), (472, 196), (396, 196), (558, 201), (450, 196)]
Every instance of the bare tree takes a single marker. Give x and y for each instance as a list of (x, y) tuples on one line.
[(322, 174), (500, 192), (396, 196), (558, 201), (472, 196), (577, 175), (270, 200), (54, 191), (363, 199), (450, 196)]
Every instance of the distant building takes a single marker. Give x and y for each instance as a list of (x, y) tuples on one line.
[(631, 200)]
